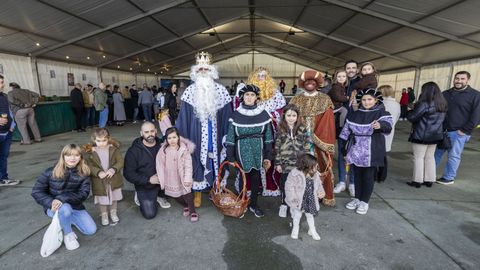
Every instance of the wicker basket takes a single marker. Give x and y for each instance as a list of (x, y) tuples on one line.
[(225, 200)]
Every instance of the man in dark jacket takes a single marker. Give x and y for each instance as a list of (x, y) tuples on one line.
[(463, 116), (78, 106), (134, 95), (140, 170)]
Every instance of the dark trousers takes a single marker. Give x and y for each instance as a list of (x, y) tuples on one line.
[(364, 181), (147, 111), (148, 201), (78, 111), (89, 117), (381, 174), (110, 114), (254, 176), (5, 142), (283, 179), (403, 111), (187, 201)]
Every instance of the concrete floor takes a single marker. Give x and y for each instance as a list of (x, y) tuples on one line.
[(405, 228)]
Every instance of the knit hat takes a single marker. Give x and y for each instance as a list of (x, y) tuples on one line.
[(249, 88), (310, 75), (369, 91)]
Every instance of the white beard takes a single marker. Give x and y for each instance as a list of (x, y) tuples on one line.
[(204, 97)]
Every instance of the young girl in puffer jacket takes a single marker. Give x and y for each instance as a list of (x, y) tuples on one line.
[(303, 190), (292, 140), (106, 163), (174, 170)]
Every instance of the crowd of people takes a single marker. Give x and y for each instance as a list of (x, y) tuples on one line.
[(114, 104), (284, 149)]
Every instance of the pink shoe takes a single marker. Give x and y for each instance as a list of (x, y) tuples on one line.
[(194, 217), (186, 212)]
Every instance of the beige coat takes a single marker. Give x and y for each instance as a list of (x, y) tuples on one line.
[(295, 188)]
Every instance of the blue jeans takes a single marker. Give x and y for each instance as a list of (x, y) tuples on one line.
[(454, 155), (80, 218), (342, 172), (103, 118), (5, 142), (147, 111), (89, 120), (135, 113)]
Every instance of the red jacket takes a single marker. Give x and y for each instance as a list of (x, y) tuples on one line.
[(404, 99)]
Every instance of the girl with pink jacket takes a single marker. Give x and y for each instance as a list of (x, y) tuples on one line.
[(174, 170)]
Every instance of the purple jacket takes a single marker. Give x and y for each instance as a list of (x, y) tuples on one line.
[(366, 146)]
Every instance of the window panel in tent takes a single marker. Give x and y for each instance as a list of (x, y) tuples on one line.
[(473, 67), (441, 74), (17, 69)]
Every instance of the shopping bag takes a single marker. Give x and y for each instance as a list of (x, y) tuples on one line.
[(53, 237)]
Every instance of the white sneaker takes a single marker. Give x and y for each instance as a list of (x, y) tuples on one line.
[(353, 204), (314, 235), (70, 241), (362, 208), (339, 187), (105, 220), (351, 190), (282, 212), (163, 202), (114, 216), (135, 199)]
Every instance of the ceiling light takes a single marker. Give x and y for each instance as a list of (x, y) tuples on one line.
[(38, 44), (118, 66), (104, 56), (130, 68), (155, 73), (88, 57), (68, 57), (148, 69)]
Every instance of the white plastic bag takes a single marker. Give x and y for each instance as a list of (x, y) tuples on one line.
[(53, 237)]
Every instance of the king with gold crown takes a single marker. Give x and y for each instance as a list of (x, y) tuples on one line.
[(203, 119)]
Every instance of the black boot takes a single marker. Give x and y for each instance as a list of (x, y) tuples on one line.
[(414, 184)]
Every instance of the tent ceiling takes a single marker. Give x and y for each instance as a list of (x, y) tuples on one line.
[(163, 36)]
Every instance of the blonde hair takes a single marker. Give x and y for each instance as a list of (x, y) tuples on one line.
[(61, 166), (103, 133), (267, 86), (335, 77), (386, 90)]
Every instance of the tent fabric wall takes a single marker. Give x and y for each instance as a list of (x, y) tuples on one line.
[(120, 78), (18, 69), (56, 83), (239, 67), (398, 81), (149, 79)]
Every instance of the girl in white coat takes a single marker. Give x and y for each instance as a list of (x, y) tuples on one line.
[(303, 189)]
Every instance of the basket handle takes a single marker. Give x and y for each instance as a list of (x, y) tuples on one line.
[(243, 192)]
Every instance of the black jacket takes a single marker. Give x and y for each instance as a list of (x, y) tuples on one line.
[(76, 98), (140, 164), (73, 189), (463, 109), (427, 124)]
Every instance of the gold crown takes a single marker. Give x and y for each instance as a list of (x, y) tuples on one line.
[(203, 58)]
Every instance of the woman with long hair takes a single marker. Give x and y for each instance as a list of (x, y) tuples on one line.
[(63, 189), (427, 130)]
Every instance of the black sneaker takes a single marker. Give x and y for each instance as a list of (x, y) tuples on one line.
[(428, 184), (444, 181), (258, 213), (414, 184)]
